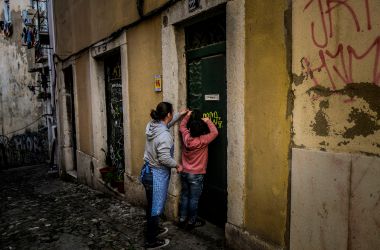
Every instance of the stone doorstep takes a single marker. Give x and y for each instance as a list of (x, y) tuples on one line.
[(72, 173), (113, 190), (209, 232)]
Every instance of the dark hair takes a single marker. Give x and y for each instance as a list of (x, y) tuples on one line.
[(162, 110), (196, 125)]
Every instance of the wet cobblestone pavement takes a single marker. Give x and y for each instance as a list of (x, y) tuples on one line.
[(41, 212)]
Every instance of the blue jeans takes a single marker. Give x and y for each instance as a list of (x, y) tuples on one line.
[(155, 182), (192, 186)]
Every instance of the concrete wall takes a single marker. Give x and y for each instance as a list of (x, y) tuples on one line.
[(336, 86), (80, 24), (336, 76), (144, 62), (139, 97), (83, 104), (18, 105), (267, 122)]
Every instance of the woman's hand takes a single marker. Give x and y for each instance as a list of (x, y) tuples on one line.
[(189, 112), (179, 168), (184, 111), (205, 119)]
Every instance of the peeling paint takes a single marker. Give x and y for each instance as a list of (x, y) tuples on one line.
[(365, 124), (343, 143), (321, 126), (324, 104), (298, 79), (370, 92), (290, 102), (18, 105)]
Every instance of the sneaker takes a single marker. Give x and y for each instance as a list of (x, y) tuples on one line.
[(158, 244), (198, 223), (162, 231), (182, 224)]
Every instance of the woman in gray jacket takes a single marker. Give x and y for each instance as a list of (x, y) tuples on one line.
[(155, 174)]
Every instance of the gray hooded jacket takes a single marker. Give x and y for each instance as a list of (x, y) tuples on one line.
[(159, 145)]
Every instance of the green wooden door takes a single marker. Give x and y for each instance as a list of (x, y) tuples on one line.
[(207, 91)]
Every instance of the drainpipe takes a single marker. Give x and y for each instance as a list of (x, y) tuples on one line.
[(52, 86)]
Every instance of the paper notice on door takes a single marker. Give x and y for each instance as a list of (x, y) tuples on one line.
[(212, 97)]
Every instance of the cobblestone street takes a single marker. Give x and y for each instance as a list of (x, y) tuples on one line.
[(42, 212)]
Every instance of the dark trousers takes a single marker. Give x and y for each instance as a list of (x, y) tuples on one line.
[(152, 221), (192, 186)]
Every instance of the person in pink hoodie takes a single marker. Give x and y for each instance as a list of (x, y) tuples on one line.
[(197, 134)]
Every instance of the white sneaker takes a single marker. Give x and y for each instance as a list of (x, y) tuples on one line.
[(162, 231), (158, 244)]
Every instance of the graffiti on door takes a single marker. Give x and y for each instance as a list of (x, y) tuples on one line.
[(114, 107), (215, 118)]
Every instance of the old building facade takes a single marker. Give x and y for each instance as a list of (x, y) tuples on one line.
[(293, 87), (26, 111)]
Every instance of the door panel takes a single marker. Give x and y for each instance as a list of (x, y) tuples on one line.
[(207, 91), (214, 202)]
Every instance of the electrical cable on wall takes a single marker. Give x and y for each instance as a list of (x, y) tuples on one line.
[(30, 124)]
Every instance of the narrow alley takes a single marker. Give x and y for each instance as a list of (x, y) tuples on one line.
[(254, 124), (43, 212)]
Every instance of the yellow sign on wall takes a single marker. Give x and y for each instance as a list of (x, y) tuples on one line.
[(157, 83)]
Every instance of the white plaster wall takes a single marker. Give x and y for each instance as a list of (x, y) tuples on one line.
[(320, 200), (365, 203), (334, 201), (18, 105)]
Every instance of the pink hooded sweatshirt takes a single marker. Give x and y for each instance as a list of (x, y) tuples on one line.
[(195, 149)]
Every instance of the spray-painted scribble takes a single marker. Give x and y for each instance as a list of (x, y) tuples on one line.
[(25, 149), (215, 118)]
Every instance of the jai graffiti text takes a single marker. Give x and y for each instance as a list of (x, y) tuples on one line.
[(323, 31)]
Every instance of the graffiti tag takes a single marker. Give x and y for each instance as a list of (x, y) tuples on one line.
[(215, 118)]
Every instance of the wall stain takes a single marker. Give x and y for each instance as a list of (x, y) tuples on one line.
[(289, 57), (370, 92), (321, 126), (324, 104), (365, 124), (290, 102), (343, 143), (298, 79)]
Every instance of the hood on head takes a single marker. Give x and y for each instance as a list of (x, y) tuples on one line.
[(154, 129)]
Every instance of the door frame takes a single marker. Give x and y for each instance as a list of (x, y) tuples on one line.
[(71, 124), (97, 76), (175, 91)]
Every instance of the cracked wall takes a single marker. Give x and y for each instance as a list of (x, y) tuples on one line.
[(336, 86), (18, 105), (336, 75)]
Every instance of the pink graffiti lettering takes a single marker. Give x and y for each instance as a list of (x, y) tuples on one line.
[(328, 9), (347, 55)]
